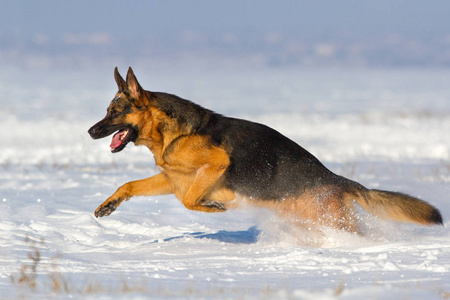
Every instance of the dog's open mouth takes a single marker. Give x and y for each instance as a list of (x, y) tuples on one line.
[(121, 138)]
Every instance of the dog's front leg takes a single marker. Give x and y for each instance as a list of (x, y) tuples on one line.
[(197, 167), (206, 177), (156, 185)]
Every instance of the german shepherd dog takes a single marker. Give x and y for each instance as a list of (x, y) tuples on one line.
[(211, 163)]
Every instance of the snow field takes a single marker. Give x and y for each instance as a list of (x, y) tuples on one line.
[(53, 176)]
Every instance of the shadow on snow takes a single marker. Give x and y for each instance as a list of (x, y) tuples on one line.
[(249, 236)]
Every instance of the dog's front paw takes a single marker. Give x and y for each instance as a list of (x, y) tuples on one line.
[(214, 204), (106, 208)]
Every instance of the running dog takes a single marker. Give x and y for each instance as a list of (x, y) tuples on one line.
[(211, 163)]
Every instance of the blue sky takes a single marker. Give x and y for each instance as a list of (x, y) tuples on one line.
[(303, 18), (231, 28)]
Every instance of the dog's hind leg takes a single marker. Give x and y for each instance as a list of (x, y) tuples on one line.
[(156, 185)]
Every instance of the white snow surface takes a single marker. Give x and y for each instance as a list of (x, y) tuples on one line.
[(386, 129)]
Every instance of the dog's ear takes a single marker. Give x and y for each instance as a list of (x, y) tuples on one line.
[(134, 88), (121, 84)]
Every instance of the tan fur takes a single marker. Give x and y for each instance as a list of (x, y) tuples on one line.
[(324, 206)]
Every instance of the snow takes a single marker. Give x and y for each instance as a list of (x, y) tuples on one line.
[(383, 128)]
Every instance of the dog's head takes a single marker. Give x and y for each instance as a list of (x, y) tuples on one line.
[(123, 114)]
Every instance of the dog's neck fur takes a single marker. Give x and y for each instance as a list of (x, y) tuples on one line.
[(169, 122)]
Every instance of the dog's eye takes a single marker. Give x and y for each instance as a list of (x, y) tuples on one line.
[(114, 113)]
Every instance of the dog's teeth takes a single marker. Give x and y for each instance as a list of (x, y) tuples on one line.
[(124, 135)]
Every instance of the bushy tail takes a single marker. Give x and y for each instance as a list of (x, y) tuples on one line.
[(399, 207)]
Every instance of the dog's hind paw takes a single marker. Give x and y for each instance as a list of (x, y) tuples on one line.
[(106, 208)]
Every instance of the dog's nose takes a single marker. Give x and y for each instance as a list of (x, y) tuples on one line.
[(92, 131)]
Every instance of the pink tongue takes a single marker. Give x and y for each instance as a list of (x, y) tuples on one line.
[(116, 140)]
